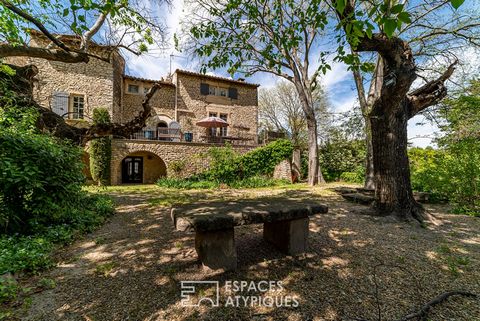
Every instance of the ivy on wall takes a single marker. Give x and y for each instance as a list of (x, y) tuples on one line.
[(100, 150)]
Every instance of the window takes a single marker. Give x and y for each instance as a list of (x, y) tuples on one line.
[(59, 103), (146, 89), (206, 89), (133, 89), (213, 130), (211, 90), (223, 130), (78, 106)]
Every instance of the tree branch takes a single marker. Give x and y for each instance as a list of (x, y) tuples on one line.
[(127, 129), (37, 23), (430, 93), (437, 300), (92, 31), (36, 52)]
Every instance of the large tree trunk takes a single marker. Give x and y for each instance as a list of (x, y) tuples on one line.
[(393, 192)]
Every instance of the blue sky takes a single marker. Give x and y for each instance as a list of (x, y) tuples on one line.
[(338, 82)]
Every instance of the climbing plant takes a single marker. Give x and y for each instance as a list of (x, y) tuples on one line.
[(100, 150)]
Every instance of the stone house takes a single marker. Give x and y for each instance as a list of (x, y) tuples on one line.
[(171, 134)]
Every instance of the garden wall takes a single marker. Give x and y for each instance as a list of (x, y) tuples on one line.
[(193, 154)]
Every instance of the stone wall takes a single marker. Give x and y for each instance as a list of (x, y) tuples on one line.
[(283, 170), (194, 155), (192, 106), (163, 102), (94, 80)]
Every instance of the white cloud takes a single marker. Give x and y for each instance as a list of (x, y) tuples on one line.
[(337, 75)]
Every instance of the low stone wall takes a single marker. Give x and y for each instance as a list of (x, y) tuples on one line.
[(193, 155)]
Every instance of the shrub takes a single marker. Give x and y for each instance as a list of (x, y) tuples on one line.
[(40, 181), (227, 166), (450, 174), (258, 181), (100, 150), (187, 183), (343, 156), (262, 160), (357, 176)]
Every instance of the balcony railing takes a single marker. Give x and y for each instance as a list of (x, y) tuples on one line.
[(164, 134), (175, 135)]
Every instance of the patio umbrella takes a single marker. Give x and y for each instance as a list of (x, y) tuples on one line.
[(212, 122)]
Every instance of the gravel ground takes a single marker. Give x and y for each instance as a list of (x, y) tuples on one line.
[(358, 266)]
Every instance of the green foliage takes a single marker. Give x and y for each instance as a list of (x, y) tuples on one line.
[(227, 166), (451, 174), (258, 181), (262, 160), (8, 289), (77, 16), (177, 167), (40, 180), (453, 171), (343, 159), (100, 150), (32, 253)]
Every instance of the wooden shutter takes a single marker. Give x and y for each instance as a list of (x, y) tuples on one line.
[(60, 103), (204, 89), (233, 93)]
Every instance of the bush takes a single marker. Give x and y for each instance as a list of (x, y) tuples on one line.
[(258, 181), (450, 174), (340, 158), (100, 150), (357, 176), (40, 181), (227, 166)]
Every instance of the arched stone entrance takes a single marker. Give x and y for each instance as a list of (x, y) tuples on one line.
[(141, 167)]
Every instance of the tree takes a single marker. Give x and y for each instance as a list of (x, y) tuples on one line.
[(428, 28), (280, 109), (131, 25), (272, 36), (394, 103)]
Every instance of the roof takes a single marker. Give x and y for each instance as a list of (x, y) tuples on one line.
[(239, 82), (163, 82), (69, 38)]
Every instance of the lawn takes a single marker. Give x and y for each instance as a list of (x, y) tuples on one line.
[(357, 265)]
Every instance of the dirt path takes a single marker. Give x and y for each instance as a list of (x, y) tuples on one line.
[(131, 268)]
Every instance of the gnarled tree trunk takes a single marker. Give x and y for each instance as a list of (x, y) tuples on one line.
[(393, 192)]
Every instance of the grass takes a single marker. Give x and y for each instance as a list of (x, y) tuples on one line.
[(105, 269)]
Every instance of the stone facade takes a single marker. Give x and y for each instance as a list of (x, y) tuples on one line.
[(194, 156), (183, 99)]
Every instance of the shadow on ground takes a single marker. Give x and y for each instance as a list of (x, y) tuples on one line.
[(131, 268)]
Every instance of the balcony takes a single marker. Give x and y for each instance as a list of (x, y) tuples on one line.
[(176, 135)]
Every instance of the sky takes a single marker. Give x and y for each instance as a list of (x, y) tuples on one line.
[(338, 82)]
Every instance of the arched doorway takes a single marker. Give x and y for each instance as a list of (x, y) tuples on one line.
[(162, 130), (142, 167)]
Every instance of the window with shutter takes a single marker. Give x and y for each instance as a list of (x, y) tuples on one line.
[(60, 103), (204, 89), (233, 93)]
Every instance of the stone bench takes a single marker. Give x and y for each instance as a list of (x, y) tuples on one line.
[(285, 225)]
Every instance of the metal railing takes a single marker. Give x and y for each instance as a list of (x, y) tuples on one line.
[(164, 134), (175, 135)]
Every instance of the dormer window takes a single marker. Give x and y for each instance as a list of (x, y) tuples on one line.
[(133, 89)]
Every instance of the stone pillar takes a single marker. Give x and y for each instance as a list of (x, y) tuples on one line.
[(283, 170), (290, 236), (216, 249)]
